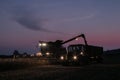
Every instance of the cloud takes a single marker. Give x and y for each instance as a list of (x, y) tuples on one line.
[(30, 22), (25, 15), (84, 17), (28, 19), (78, 18)]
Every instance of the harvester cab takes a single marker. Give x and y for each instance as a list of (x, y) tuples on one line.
[(51, 49)]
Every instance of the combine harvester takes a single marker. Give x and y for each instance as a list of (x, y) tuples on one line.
[(76, 54)]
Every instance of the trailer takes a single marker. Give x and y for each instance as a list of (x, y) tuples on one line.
[(81, 55)]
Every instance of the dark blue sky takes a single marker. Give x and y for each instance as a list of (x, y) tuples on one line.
[(24, 22)]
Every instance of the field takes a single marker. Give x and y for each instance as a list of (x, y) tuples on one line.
[(34, 69)]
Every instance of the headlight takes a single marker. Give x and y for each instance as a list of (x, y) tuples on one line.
[(75, 57), (39, 44), (62, 57), (44, 44), (82, 53), (47, 53), (39, 54)]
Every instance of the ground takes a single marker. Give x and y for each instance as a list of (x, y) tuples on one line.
[(105, 71), (58, 72)]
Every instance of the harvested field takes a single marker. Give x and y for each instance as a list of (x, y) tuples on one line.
[(24, 70)]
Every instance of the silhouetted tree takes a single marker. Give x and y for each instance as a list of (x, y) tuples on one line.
[(16, 53)]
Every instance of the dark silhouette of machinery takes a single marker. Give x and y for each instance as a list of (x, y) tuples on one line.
[(73, 54)]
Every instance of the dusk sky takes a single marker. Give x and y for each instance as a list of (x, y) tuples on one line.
[(24, 22)]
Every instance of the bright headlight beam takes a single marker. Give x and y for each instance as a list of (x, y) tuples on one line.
[(39, 54), (39, 44), (74, 57), (81, 53), (47, 53), (44, 44), (61, 57)]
